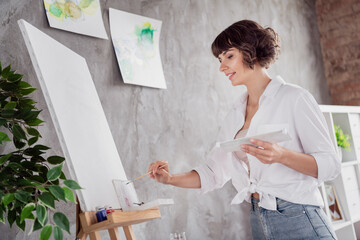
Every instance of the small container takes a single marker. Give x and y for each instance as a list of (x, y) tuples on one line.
[(101, 214), (109, 209)]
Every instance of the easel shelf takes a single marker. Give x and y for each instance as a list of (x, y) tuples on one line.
[(90, 226)]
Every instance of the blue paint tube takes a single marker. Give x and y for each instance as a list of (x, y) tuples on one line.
[(101, 214)]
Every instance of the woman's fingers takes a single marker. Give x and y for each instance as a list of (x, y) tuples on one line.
[(159, 170)]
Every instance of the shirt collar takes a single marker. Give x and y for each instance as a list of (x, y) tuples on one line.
[(270, 90), (273, 86)]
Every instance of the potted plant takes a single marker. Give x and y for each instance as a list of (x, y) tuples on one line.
[(342, 140), (30, 183)]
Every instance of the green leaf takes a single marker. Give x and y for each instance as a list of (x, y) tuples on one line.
[(2, 122), (18, 144), (27, 102), (43, 189), (33, 132), (20, 224), (24, 182), (23, 113), (58, 192), (69, 195), (36, 226), (5, 71), (4, 137), (47, 199), (72, 184), (41, 147), (62, 221), (32, 140), (37, 178), (58, 235), (41, 214), (23, 84), (4, 158), (32, 152), (55, 160), (27, 212), (15, 166), (10, 105), (22, 196), (15, 77), (27, 91), (2, 217), (62, 176), (54, 173), (46, 232), (18, 131), (8, 198), (8, 113), (35, 122), (11, 217), (31, 116)]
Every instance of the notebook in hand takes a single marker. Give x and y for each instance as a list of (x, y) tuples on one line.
[(273, 137)]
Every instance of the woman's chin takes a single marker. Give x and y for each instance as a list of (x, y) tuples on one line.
[(235, 83)]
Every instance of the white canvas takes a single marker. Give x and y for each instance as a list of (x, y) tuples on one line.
[(79, 16), (136, 44), (80, 122)]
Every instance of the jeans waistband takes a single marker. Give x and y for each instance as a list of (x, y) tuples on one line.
[(254, 200)]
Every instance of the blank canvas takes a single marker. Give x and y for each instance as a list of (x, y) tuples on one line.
[(78, 116)]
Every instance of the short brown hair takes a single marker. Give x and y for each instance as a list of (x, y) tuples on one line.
[(257, 44)]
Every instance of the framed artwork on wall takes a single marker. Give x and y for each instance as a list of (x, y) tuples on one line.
[(334, 205)]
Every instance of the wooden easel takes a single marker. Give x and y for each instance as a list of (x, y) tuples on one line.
[(87, 225)]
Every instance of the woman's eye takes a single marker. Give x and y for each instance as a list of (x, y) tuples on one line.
[(230, 56)]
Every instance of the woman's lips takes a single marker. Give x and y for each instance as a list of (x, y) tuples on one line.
[(231, 76)]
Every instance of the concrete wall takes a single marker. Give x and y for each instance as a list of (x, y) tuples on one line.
[(179, 124)]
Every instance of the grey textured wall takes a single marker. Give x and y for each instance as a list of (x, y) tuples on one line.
[(179, 124)]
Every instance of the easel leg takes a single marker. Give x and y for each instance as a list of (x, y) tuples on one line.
[(79, 231), (114, 234), (77, 222), (81, 235), (95, 236), (129, 233)]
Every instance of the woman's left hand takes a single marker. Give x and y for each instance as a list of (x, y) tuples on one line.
[(267, 152)]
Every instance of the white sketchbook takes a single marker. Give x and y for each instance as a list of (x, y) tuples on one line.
[(272, 137)]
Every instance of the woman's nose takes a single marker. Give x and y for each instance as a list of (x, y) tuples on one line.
[(222, 67)]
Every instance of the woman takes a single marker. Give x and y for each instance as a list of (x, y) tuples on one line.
[(280, 180)]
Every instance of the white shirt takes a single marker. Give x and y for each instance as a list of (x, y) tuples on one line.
[(281, 105)]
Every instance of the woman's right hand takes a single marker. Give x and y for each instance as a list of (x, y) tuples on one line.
[(159, 171)]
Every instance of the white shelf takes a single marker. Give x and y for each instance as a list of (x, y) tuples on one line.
[(350, 163), (339, 225), (347, 183)]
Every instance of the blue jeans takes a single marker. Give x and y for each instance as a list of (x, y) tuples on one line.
[(289, 221)]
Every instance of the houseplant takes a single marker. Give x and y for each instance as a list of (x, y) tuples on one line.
[(30, 183), (342, 140)]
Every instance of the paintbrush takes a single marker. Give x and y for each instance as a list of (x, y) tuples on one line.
[(161, 167)]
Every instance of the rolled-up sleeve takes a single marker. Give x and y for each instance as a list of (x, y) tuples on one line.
[(314, 136), (215, 171)]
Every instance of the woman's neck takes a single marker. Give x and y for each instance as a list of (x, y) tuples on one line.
[(256, 85)]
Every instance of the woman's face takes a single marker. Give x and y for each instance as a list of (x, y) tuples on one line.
[(231, 63)]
